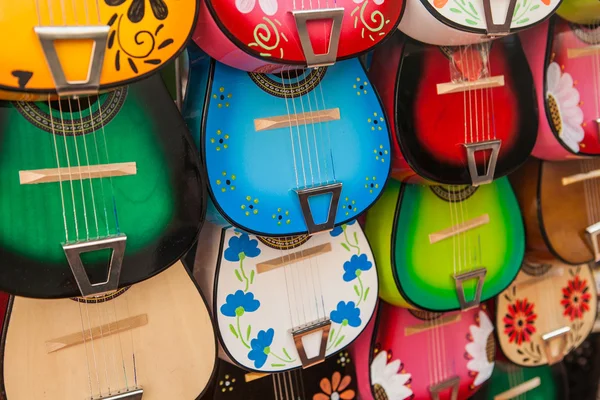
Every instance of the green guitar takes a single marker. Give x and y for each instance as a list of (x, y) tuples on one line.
[(444, 248), (96, 193)]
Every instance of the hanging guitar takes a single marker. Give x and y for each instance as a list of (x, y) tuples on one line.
[(153, 340), (457, 22), (110, 180), (565, 59), (283, 303), (545, 313), (462, 115), (267, 35), (291, 153), (561, 209), (334, 378), (414, 354), (510, 381), (444, 248), (73, 47)]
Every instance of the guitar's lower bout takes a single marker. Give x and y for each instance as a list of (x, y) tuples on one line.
[(162, 324)]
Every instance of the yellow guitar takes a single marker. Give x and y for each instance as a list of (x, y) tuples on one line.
[(71, 47)]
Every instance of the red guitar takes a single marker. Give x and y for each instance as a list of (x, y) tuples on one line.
[(264, 35), (462, 115)]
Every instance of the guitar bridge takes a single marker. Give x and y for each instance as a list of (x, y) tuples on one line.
[(135, 394), (324, 327)]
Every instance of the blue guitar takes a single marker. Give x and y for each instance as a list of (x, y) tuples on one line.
[(290, 153)]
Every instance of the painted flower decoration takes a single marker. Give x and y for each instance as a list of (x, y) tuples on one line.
[(338, 230), (334, 389), (388, 381), (239, 303), (269, 7), (241, 247), (378, 2), (563, 102), (576, 298), (354, 267), (136, 10), (346, 314), (481, 350), (260, 347), (519, 321)]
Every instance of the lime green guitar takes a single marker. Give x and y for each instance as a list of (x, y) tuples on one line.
[(580, 11), (443, 248)]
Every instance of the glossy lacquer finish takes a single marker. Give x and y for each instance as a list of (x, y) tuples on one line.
[(262, 36), (413, 271), (430, 129), (565, 69), (257, 303), (159, 208), (253, 172)]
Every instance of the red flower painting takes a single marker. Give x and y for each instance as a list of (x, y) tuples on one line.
[(576, 298), (519, 321)]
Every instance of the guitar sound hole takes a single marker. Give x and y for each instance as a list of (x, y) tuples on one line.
[(73, 105), (589, 34), (102, 298), (532, 269), (424, 315), (284, 243)]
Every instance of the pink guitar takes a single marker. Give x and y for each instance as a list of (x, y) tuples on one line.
[(266, 35), (404, 353), (565, 61)]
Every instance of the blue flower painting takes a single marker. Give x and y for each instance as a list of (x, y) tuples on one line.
[(338, 230), (354, 267), (261, 347), (239, 303), (241, 247), (346, 314)]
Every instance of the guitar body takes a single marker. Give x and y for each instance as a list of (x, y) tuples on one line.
[(506, 377), (145, 184), (139, 41), (414, 233), (561, 55), (453, 23), (411, 351), (248, 134), (319, 382), (430, 129), (262, 36), (579, 11), (266, 287), (556, 215), (542, 300), (44, 356)]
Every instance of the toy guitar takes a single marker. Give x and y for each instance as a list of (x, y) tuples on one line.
[(76, 47), (444, 248), (422, 355), (131, 343), (580, 11), (111, 180), (561, 209), (462, 115), (282, 303), (335, 376), (454, 22), (545, 313), (267, 35), (509, 381), (291, 153), (564, 60)]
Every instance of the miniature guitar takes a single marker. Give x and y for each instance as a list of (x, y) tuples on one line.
[(444, 248), (268, 35), (462, 115), (128, 344), (561, 209), (509, 381), (545, 313), (81, 47), (564, 59), (110, 180), (283, 303), (335, 378), (291, 153), (458, 22), (415, 354)]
